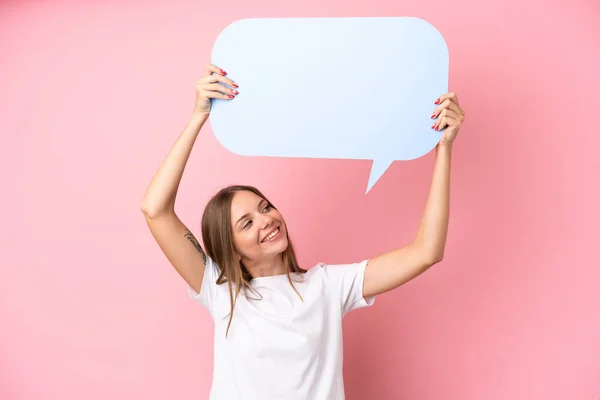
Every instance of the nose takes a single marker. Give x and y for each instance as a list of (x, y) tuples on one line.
[(267, 221)]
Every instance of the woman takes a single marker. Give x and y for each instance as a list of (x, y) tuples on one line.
[(278, 327)]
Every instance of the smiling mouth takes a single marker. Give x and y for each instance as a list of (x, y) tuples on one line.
[(271, 236)]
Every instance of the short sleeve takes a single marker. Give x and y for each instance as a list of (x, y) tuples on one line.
[(348, 279), (209, 291)]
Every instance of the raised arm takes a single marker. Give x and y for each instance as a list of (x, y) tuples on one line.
[(176, 241), (392, 269)]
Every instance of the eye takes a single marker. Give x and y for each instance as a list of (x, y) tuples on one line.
[(267, 208), (247, 224)]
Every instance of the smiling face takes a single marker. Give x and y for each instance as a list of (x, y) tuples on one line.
[(258, 229)]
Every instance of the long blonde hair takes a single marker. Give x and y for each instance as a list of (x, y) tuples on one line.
[(218, 242)]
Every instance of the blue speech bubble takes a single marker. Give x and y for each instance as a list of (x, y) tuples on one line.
[(340, 88)]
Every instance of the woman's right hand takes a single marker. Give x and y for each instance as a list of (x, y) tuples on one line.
[(211, 86)]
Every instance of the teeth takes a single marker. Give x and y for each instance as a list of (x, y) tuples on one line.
[(271, 236)]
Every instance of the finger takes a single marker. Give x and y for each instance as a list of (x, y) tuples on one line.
[(219, 78), (210, 68), (446, 122), (216, 87), (440, 123), (450, 95), (447, 104), (447, 112), (213, 94)]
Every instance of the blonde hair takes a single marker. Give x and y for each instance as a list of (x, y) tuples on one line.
[(218, 241)]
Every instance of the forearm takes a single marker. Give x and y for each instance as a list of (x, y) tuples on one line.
[(434, 225), (160, 195)]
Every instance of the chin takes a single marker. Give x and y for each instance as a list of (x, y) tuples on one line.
[(279, 247)]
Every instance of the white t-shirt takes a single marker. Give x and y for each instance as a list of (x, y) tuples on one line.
[(280, 347)]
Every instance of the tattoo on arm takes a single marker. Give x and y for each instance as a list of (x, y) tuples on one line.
[(192, 239)]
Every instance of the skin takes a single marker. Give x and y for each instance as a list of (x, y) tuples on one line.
[(252, 220), (391, 269), (384, 272), (394, 268)]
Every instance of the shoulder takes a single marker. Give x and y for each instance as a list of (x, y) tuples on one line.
[(337, 271), (344, 281)]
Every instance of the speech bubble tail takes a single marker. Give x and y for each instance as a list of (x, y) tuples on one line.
[(377, 170)]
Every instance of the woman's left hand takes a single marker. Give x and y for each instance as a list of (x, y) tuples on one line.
[(448, 115)]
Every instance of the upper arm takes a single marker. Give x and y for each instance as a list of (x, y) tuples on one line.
[(180, 247), (392, 269)]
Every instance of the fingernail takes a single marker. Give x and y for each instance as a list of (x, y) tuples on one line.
[(433, 126), (235, 92), (437, 101), (234, 85), (437, 128), (432, 115), (231, 96), (223, 72)]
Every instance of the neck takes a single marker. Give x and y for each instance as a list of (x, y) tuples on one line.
[(266, 267)]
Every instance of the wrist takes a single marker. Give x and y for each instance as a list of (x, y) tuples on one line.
[(200, 116), (444, 145)]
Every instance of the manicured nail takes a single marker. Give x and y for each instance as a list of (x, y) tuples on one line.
[(432, 115), (235, 92), (437, 101), (437, 128), (231, 96), (433, 126), (223, 72), (234, 85)]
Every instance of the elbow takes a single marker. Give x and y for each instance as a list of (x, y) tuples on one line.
[(430, 255), (434, 258), (438, 257), (145, 210), (153, 211), (149, 212)]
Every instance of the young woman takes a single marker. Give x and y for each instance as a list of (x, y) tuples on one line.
[(278, 327)]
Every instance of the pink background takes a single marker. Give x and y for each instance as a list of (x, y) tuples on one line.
[(92, 98)]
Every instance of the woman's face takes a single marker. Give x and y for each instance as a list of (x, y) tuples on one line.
[(258, 229)]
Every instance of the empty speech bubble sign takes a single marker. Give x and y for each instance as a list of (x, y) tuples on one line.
[(339, 88)]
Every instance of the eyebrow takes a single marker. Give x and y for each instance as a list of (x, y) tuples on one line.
[(247, 214)]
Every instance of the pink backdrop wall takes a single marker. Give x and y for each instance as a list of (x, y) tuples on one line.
[(92, 98)]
